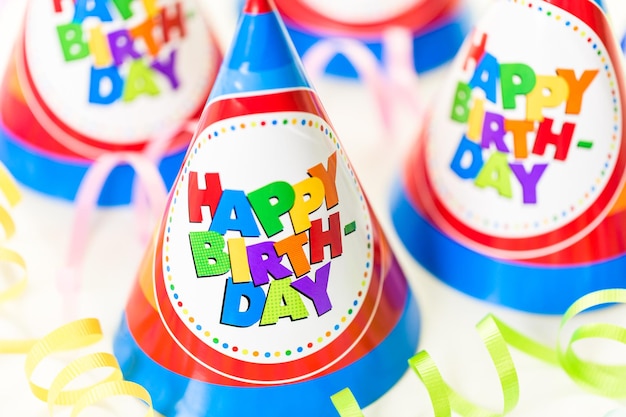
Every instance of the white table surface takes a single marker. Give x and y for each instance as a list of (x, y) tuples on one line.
[(448, 317)]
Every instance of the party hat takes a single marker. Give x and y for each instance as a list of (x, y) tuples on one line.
[(437, 27), (515, 193), (270, 285), (92, 77)]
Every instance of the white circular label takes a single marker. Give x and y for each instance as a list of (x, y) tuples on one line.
[(267, 245), (362, 11), (526, 136), (119, 72)]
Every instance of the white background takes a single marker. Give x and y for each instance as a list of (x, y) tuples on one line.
[(115, 249)]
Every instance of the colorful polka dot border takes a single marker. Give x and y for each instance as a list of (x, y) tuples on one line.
[(595, 43), (222, 129)]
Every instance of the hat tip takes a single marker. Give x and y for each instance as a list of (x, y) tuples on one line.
[(258, 6)]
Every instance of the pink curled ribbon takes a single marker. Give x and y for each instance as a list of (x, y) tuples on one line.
[(149, 195), (393, 82)]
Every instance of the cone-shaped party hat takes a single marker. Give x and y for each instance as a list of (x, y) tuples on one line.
[(270, 285), (515, 192), (437, 27), (92, 77)]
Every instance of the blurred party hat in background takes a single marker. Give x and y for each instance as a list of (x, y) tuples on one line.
[(437, 27), (270, 285), (515, 191), (89, 78)]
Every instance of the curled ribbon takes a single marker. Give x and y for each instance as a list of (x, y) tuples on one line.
[(75, 335), (597, 378), (12, 195), (149, 194), (346, 404), (86, 199), (392, 83)]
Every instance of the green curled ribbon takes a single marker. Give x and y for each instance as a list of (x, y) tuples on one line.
[(444, 398), (601, 379), (346, 404), (597, 378)]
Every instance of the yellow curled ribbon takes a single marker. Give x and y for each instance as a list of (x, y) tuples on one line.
[(11, 193), (600, 379), (75, 335)]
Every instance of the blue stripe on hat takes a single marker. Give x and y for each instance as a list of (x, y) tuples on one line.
[(262, 57), (61, 177), (432, 46), (176, 395), (542, 289)]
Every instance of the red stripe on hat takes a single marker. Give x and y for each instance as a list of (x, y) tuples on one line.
[(29, 121), (258, 6), (293, 100), (416, 18), (160, 333)]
